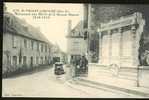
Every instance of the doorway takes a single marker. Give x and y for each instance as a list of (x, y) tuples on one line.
[(31, 61)]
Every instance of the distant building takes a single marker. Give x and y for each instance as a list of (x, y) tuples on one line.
[(23, 45), (56, 53), (76, 41)]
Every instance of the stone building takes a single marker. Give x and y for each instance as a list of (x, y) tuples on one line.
[(24, 46), (76, 41), (56, 52)]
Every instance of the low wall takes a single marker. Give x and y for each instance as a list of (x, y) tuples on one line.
[(144, 76), (142, 73)]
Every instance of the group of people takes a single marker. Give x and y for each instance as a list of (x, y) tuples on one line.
[(80, 64)]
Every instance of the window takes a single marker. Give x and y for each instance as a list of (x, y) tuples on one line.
[(14, 41), (24, 60), (45, 48), (31, 63), (37, 46), (36, 60), (41, 60), (25, 43), (45, 59), (8, 60), (41, 47), (32, 44), (14, 60), (49, 49)]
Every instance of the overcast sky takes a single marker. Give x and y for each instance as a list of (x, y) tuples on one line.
[(54, 28)]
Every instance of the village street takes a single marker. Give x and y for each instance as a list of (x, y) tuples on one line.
[(45, 84)]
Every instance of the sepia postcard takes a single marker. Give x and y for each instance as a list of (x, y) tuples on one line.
[(75, 50)]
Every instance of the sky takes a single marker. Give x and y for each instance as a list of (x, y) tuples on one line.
[(54, 28)]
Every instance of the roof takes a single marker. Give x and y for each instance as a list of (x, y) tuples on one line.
[(20, 27), (77, 30), (79, 26)]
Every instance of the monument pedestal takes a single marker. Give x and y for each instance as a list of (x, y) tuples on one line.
[(119, 45)]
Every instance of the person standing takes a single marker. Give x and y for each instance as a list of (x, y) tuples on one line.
[(78, 65), (83, 64)]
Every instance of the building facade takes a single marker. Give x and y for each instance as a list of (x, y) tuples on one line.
[(76, 41), (24, 47)]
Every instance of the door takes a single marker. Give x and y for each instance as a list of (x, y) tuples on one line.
[(31, 61)]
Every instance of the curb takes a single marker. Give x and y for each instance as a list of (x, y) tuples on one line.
[(135, 92)]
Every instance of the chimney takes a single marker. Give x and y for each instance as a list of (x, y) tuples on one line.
[(69, 26), (4, 7)]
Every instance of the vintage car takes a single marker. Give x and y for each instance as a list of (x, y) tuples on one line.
[(58, 68)]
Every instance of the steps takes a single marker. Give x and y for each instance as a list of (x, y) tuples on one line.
[(124, 73), (111, 88), (101, 70), (128, 73)]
